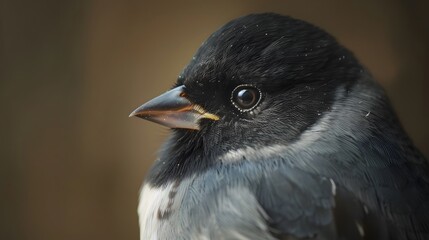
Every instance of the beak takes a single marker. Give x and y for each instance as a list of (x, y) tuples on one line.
[(174, 110)]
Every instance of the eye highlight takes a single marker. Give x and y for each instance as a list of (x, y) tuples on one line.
[(245, 97)]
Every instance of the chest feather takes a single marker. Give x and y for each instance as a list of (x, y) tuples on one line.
[(156, 206)]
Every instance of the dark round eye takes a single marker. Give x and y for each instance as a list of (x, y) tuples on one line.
[(245, 97)]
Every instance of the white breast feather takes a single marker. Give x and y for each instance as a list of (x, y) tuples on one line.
[(151, 199)]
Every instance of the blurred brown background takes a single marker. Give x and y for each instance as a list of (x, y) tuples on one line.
[(71, 72)]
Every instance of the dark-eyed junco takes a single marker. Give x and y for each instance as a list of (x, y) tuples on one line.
[(279, 133)]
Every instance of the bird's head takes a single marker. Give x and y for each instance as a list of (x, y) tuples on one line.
[(260, 79)]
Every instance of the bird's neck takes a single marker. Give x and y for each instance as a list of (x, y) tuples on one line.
[(183, 155)]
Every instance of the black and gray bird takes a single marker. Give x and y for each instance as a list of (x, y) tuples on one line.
[(278, 132)]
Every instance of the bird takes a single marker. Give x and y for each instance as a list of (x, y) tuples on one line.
[(279, 132)]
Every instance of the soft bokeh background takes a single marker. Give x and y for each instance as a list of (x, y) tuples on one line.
[(71, 72)]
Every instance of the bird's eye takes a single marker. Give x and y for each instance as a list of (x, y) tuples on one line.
[(245, 97)]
